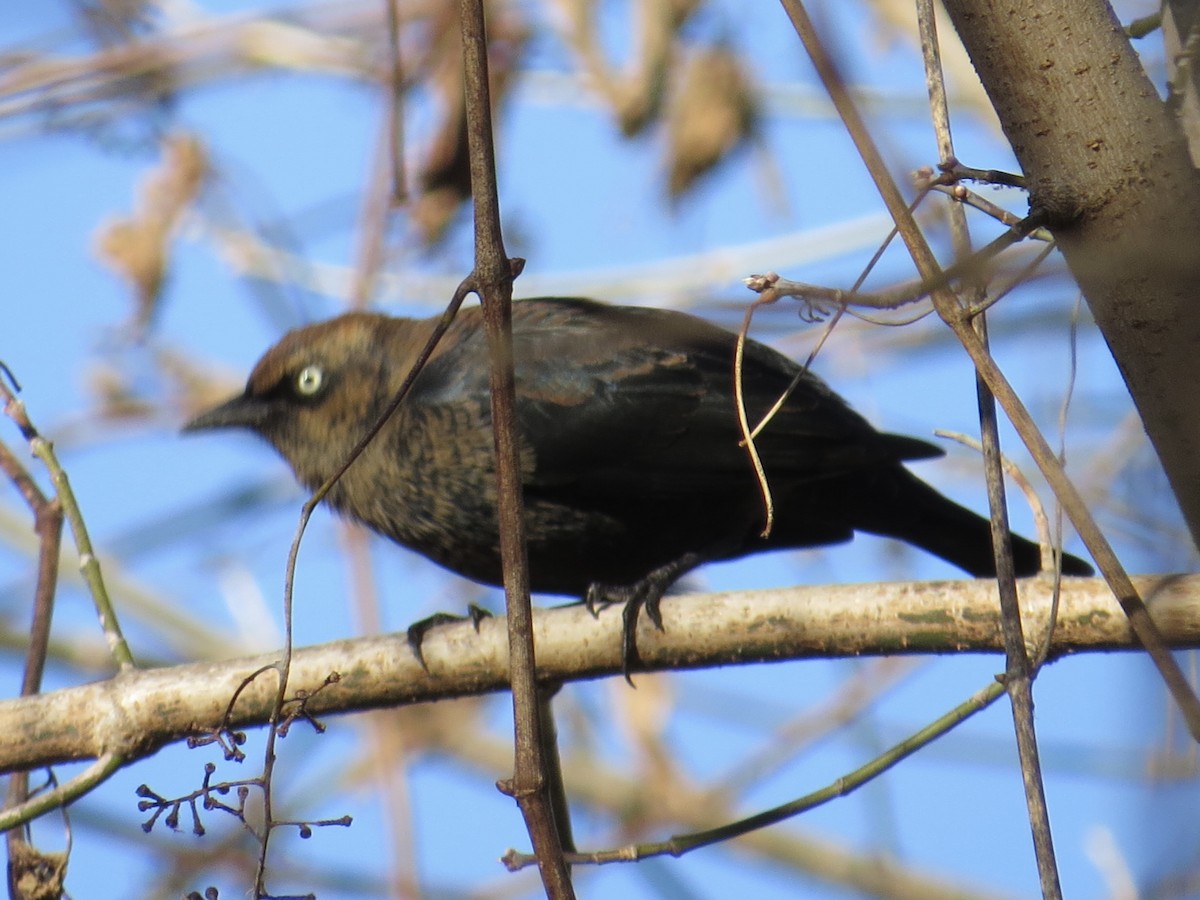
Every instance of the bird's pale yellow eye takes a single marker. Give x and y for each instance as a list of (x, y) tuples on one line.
[(309, 381)]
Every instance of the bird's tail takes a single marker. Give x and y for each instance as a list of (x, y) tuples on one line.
[(902, 506)]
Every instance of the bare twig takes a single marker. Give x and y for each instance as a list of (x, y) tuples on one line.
[(386, 189), (89, 564), (849, 700), (1019, 672), (975, 201), (1041, 522), (284, 663), (395, 116), (493, 277), (680, 844), (609, 785), (823, 300), (376, 210), (739, 399), (48, 522), (811, 310), (105, 766)]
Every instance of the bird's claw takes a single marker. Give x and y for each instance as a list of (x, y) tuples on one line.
[(417, 630), (647, 595), (596, 599), (653, 603), (477, 614), (629, 651)]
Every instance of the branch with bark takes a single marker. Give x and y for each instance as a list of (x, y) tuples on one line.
[(136, 713)]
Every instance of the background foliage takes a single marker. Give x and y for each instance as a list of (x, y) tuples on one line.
[(185, 181)]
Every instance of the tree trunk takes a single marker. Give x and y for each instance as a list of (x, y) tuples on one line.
[(1105, 159)]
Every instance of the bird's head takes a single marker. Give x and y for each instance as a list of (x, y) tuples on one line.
[(315, 393)]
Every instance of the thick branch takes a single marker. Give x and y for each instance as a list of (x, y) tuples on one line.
[(1105, 160), (138, 712)]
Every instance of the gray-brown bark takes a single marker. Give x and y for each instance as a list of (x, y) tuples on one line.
[(136, 713), (1104, 158)]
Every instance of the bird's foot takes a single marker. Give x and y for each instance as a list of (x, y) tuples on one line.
[(418, 630), (633, 598), (645, 594)]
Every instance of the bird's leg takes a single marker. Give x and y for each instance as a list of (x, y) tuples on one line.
[(646, 593), (417, 630)]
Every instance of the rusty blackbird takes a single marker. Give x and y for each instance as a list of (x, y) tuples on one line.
[(632, 469)]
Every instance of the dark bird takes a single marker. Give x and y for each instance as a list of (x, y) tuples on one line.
[(632, 469)]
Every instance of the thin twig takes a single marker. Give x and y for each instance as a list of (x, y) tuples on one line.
[(386, 189), (493, 277), (678, 845), (1005, 217), (105, 766), (1049, 541), (765, 285), (89, 564), (395, 116), (822, 300), (1019, 673), (1057, 536), (1041, 523), (48, 522), (851, 698), (283, 665), (739, 400)]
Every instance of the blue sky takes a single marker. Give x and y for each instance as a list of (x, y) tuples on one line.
[(579, 202)]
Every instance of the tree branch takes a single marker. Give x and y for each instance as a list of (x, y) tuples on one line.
[(136, 713), (1104, 159), (493, 276)]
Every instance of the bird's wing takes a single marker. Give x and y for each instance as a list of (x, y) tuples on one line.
[(615, 398)]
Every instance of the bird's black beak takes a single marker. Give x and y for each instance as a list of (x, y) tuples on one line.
[(240, 412)]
